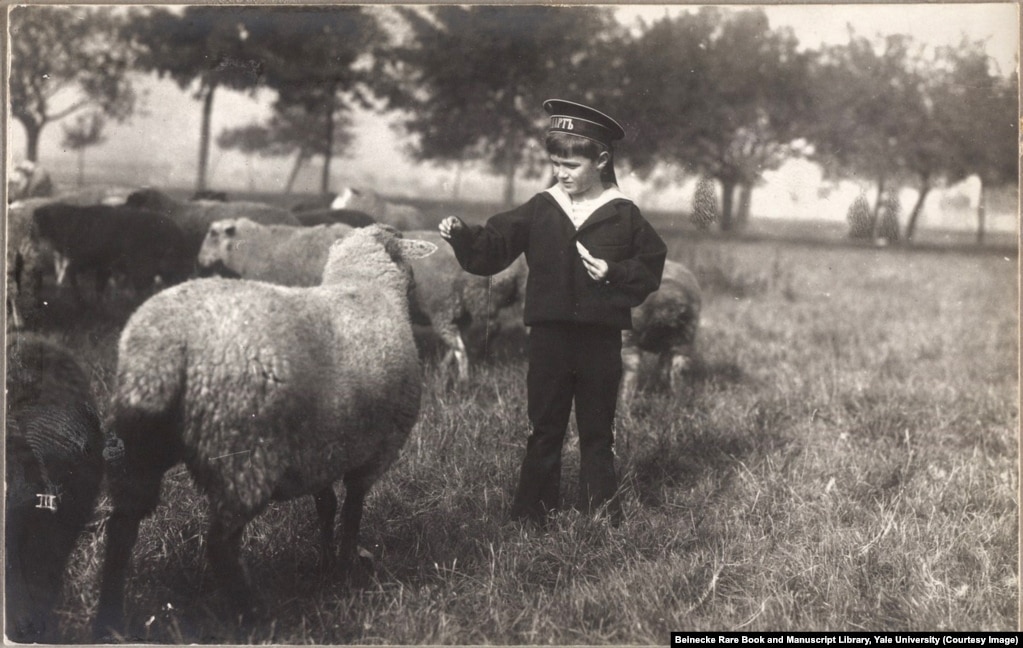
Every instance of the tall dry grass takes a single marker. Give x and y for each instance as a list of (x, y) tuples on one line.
[(843, 457)]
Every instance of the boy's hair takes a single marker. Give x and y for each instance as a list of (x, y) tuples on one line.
[(567, 145)]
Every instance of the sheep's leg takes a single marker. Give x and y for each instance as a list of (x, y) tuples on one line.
[(664, 368), (134, 496), (326, 510), (224, 541), (631, 357), (456, 351), (681, 362), (357, 484)]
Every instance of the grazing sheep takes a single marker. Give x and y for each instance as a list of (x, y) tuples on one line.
[(111, 240), (54, 448), (30, 260), (194, 217), (209, 194), (451, 300), (28, 180), (266, 393), (664, 324), (280, 254), (328, 216), (322, 201), (404, 217)]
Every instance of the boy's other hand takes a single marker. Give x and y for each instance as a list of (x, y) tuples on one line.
[(449, 226), (596, 268)]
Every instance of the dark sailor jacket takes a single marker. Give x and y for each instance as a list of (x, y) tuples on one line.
[(558, 289)]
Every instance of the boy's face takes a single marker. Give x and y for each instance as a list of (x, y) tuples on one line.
[(579, 176)]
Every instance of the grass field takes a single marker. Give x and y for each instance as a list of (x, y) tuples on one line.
[(844, 458)]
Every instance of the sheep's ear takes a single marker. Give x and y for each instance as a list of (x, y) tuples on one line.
[(415, 248)]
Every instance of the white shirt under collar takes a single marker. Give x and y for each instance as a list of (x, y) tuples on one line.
[(580, 210)]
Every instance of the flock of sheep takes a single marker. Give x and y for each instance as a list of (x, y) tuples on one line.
[(273, 353)]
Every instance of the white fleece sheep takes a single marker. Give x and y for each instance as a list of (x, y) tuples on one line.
[(664, 324), (280, 254), (266, 393)]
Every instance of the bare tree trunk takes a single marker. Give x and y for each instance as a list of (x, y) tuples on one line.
[(917, 209), (32, 132), (727, 195), (299, 161), (204, 137), (509, 177), (457, 182), (876, 216), (329, 144), (981, 211), (745, 202), (81, 167)]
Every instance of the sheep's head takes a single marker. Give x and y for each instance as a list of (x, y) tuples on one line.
[(215, 255), (377, 251)]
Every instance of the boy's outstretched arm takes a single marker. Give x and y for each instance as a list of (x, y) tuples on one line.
[(490, 248)]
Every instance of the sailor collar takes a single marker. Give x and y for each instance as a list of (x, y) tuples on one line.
[(579, 212)]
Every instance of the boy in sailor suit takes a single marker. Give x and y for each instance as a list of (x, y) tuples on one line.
[(592, 258)]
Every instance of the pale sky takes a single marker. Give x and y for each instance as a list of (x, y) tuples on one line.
[(160, 147)]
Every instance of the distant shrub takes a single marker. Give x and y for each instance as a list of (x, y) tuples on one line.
[(705, 205), (861, 221)]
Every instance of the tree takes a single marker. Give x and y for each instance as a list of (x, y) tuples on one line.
[(87, 131), (893, 111), (202, 47), (977, 110), (66, 60), (318, 61), (875, 120), (717, 91), (290, 130), (470, 80)]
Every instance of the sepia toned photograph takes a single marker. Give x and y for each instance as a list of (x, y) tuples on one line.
[(510, 324)]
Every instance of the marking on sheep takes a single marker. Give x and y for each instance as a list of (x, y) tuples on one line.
[(47, 502)]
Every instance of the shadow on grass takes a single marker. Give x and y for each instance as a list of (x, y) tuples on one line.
[(676, 441)]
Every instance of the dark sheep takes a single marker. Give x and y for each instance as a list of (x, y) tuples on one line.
[(209, 194), (29, 259), (54, 448), (195, 217), (109, 241), (323, 201), (352, 217), (665, 324)]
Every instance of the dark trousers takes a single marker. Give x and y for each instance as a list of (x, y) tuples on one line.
[(570, 362)]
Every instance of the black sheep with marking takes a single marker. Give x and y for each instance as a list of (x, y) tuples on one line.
[(54, 467)]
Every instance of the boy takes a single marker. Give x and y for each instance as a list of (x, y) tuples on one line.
[(592, 258)]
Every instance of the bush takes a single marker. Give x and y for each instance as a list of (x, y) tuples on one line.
[(861, 222), (705, 205)]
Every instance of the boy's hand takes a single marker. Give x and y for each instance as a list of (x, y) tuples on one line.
[(449, 226), (596, 268)]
